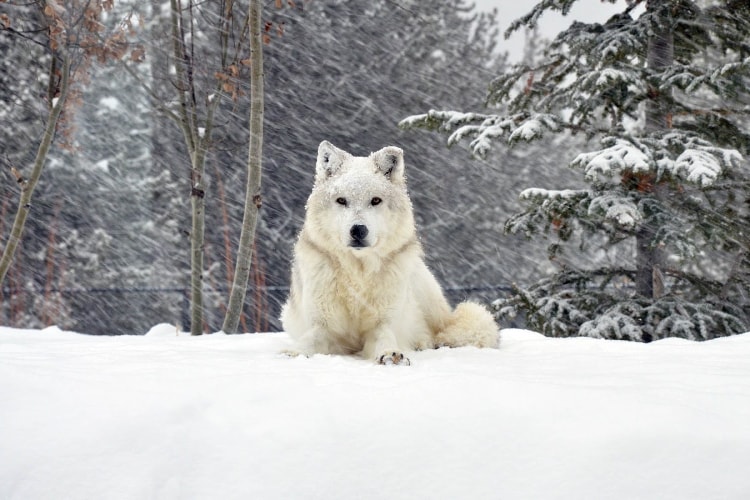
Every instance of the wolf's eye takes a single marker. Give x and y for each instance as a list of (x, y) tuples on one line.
[(376, 201), (341, 201)]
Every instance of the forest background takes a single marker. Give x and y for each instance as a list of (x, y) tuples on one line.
[(107, 247)]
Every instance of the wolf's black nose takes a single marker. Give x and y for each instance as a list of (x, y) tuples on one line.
[(358, 232)]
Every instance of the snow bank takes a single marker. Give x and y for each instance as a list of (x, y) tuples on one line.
[(222, 416)]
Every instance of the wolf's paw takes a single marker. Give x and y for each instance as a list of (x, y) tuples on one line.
[(393, 358), (293, 353)]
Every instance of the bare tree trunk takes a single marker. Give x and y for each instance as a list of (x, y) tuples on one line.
[(197, 241), (27, 185), (648, 256), (255, 155), (196, 127), (197, 140)]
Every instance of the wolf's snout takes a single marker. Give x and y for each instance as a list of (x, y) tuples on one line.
[(358, 232)]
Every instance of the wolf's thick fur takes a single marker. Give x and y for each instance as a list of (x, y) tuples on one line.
[(359, 281)]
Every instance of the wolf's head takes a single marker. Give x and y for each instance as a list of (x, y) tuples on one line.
[(360, 203)]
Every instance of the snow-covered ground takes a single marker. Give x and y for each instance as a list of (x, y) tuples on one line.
[(163, 416)]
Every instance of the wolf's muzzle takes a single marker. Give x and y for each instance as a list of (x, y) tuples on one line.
[(358, 232)]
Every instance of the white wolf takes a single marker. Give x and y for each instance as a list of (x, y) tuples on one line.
[(359, 281)]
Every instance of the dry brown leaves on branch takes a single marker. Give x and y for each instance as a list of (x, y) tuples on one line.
[(280, 4), (78, 23), (229, 79), (76, 30)]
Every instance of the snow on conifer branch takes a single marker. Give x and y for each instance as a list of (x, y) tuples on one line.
[(557, 204), (731, 69), (484, 128), (697, 161), (530, 20), (667, 317), (548, 209), (621, 155), (539, 194), (442, 121), (615, 208), (702, 166), (534, 127), (677, 155)]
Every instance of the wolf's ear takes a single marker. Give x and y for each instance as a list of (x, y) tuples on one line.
[(330, 159), (390, 161)]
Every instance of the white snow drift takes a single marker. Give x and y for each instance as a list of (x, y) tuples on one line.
[(223, 417)]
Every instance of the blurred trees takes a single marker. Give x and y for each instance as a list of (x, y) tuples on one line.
[(113, 212), (69, 38)]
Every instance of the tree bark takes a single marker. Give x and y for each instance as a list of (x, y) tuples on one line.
[(649, 258), (28, 185), (197, 240), (252, 192), (197, 140)]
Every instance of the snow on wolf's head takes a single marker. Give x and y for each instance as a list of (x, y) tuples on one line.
[(360, 203)]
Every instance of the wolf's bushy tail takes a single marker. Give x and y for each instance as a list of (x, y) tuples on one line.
[(470, 324)]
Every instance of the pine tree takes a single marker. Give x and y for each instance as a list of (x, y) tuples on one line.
[(663, 216)]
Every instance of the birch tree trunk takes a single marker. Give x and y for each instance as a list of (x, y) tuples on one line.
[(28, 185), (255, 155), (197, 140)]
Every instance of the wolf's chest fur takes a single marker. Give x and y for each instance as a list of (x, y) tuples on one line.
[(353, 304)]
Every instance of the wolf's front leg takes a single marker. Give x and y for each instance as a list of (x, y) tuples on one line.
[(313, 341), (381, 345)]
